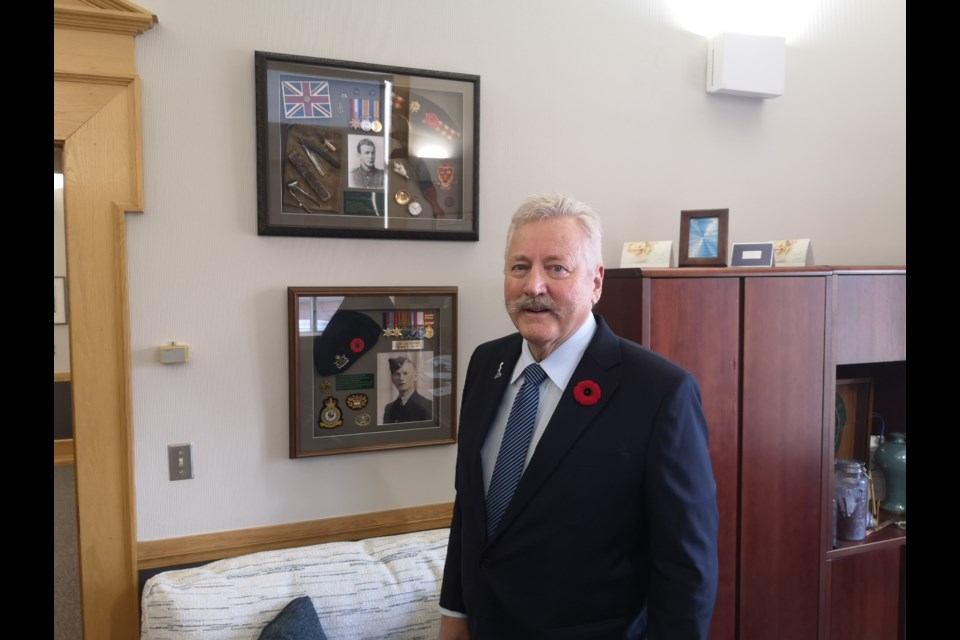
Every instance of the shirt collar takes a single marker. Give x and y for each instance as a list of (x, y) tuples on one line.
[(560, 364)]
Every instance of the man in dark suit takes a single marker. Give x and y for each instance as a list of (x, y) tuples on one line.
[(611, 531), (409, 406)]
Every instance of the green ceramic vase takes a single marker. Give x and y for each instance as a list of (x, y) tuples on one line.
[(891, 457)]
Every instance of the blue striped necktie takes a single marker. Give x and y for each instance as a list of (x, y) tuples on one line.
[(513, 449)]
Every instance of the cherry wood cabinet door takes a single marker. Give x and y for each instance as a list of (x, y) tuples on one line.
[(695, 322), (781, 444), (865, 595)]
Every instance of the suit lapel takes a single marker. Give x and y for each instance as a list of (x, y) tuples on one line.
[(478, 416), (570, 419)]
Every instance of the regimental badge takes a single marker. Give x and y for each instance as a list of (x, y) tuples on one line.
[(357, 401), (400, 170), (362, 419), (330, 416), (341, 361), (445, 174), (326, 384)]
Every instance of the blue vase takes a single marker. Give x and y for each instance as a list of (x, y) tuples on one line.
[(891, 457)]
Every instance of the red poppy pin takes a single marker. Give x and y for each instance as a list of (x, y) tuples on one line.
[(587, 392), (356, 345)]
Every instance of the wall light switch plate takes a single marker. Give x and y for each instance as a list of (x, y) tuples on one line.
[(181, 461)]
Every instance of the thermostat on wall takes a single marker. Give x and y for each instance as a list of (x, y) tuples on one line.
[(174, 353)]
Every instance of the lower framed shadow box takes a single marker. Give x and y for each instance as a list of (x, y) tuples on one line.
[(371, 368)]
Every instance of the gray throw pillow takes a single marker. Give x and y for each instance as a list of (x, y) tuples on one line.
[(297, 621)]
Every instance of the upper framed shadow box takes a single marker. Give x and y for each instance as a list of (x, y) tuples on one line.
[(371, 368), (362, 150)]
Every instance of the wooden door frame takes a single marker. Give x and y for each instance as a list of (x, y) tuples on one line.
[(96, 116)]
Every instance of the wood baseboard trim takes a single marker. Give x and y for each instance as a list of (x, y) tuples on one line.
[(62, 452), (169, 552)]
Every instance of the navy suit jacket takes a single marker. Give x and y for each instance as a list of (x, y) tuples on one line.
[(612, 531)]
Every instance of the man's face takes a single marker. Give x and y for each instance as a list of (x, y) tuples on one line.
[(550, 285), (368, 155), (404, 378)]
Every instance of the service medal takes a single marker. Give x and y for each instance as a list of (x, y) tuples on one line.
[(330, 416), (355, 113), (376, 125), (365, 123)]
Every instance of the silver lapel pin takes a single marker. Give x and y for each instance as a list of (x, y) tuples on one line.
[(499, 371)]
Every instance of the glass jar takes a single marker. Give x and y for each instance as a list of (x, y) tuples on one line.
[(851, 493)]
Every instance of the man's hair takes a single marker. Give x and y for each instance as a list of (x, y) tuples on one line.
[(543, 207), (397, 362), (366, 142)]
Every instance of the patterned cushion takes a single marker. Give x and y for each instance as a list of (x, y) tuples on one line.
[(376, 588)]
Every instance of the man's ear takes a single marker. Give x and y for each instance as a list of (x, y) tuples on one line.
[(597, 284)]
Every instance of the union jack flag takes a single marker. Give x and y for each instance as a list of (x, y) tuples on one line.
[(302, 99)]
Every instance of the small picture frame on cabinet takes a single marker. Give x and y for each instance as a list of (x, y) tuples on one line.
[(703, 238), (752, 254)]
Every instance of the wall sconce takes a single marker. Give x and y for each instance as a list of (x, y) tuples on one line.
[(744, 65)]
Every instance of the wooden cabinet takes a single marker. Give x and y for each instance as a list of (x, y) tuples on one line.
[(863, 583), (755, 342), (764, 346)]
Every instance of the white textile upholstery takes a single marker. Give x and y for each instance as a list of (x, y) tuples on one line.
[(376, 588)]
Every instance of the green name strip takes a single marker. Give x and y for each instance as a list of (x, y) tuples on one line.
[(357, 381)]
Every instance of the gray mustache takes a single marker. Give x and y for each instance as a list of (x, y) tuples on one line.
[(529, 303)]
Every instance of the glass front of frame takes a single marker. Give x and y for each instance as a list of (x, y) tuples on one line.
[(371, 369), (345, 149)]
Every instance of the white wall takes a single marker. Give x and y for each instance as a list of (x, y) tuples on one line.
[(604, 100)]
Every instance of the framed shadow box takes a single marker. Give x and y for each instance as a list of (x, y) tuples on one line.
[(371, 368), (346, 149)]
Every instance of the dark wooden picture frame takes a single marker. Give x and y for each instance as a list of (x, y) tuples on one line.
[(354, 351), (703, 238), (853, 419), (346, 149)]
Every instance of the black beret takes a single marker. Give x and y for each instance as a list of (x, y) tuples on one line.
[(347, 336)]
